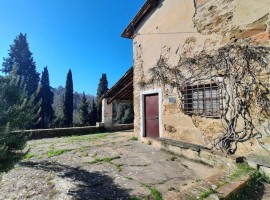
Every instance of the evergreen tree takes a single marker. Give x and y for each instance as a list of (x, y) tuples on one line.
[(68, 101), (16, 113), (37, 109), (21, 58), (128, 116), (58, 105), (84, 112), (93, 113), (123, 112), (46, 112), (102, 89), (15, 108)]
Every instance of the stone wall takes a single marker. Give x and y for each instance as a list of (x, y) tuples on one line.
[(61, 132), (188, 28)]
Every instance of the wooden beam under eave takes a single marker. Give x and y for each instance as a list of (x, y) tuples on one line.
[(121, 83), (119, 92)]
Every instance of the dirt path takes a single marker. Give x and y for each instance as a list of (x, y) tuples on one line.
[(101, 166)]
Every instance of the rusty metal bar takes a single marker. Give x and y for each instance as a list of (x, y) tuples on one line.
[(201, 99)]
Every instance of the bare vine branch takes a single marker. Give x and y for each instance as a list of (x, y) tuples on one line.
[(246, 95)]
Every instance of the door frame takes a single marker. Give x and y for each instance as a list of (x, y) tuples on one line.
[(157, 91)]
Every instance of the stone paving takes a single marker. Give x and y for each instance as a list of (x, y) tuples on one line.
[(100, 166)]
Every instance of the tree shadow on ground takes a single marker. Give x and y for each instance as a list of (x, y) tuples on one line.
[(89, 185)]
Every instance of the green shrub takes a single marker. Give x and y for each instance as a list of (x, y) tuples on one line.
[(254, 188)]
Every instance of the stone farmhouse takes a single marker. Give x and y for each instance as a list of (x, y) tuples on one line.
[(200, 78)]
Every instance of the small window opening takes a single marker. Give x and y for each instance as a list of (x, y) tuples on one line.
[(201, 99)]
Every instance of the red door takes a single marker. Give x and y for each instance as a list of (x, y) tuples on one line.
[(151, 116)]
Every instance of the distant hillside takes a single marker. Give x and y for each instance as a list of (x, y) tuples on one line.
[(58, 102)]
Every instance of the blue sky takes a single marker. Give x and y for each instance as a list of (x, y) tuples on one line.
[(81, 35)]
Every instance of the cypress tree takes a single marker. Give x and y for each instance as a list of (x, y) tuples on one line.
[(102, 89), (68, 101), (46, 112), (93, 113), (84, 112), (37, 102), (21, 58)]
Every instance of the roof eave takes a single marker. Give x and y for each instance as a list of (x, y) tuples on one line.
[(129, 30), (126, 79)]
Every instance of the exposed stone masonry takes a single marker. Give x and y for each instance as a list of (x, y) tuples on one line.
[(217, 16), (214, 17)]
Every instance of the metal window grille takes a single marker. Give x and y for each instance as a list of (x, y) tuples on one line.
[(202, 99)]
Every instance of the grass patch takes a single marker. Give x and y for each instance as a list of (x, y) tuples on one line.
[(254, 189), (127, 177), (83, 151), (87, 138), (39, 143), (206, 194), (242, 168), (28, 156), (133, 139), (38, 156), (118, 167), (52, 153), (51, 184), (83, 148), (156, 195), (173, 158), (84, 154), (107, 160)]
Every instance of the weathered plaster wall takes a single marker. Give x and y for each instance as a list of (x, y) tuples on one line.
[(165, 35), (186, 27)]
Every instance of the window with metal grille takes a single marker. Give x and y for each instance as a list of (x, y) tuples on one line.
[(201, 99)]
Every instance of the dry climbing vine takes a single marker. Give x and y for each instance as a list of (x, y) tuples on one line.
[(242, 71)]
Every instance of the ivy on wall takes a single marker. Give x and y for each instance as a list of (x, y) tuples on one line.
[(242, 73)]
